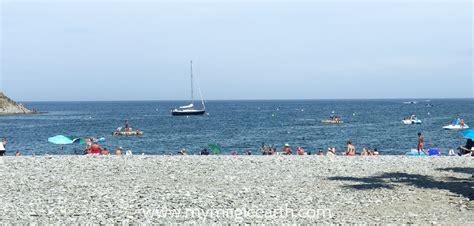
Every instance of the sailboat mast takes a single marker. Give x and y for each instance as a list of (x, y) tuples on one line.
[(192, 85)]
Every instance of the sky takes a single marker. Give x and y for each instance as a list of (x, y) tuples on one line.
[(54, 50)]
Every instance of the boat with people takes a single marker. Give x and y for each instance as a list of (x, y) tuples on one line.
[(333, 119), (457, 124), (190, 109), (412, 120), (127, 131)]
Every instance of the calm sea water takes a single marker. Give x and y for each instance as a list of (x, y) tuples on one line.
[(238, 125)]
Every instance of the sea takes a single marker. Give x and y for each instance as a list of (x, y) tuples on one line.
[(238, 126)]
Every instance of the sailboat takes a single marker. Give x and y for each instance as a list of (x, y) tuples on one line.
[(189, 109)]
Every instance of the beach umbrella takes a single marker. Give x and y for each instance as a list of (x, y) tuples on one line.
[(79, 141), (60, 139), (469, 134), (214, 148)]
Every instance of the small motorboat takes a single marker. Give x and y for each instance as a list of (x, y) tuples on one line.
[(457, 124), (410, 102), (412, 120)]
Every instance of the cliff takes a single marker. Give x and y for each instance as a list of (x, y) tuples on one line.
[(9, 107)]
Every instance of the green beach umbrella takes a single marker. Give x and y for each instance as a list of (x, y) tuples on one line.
[(214, 148)]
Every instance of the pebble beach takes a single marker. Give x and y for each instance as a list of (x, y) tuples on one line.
[(237, 189)]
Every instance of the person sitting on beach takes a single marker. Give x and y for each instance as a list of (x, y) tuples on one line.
[(271, 150), (264, 149), (183, 152), (369, 152), (376, 152), (321, 153), (205, 152), (18, 153), (467, 149), (350, 149), (287, 150), (364, 152), (105, 151), (118, 151), (300, 151), (248, 152), (331, 152), (95, 149)]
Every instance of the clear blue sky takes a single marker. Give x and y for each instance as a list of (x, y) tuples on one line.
[(140, 50)]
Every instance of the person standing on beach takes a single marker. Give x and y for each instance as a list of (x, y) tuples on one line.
[(2, 147), (420, 143)]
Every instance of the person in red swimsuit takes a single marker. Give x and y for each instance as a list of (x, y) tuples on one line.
[(420, 143), (96, 149)]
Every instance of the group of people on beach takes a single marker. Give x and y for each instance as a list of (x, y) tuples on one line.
[(350, 151), (96, 149)]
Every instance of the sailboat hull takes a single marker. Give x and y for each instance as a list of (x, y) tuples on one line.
[(187, 112)]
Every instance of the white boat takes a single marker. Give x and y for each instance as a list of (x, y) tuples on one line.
[(189, 109), (457, 124), (412, 120), (456, 127), (410, 102)]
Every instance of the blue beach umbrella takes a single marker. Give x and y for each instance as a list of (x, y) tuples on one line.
[(60, 139), (469, 134)]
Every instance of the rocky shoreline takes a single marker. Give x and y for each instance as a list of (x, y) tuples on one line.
[(10, 107), (278, 189)]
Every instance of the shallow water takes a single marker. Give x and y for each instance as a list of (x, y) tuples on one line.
[(239, 125)]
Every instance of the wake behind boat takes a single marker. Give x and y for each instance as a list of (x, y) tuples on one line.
[(189, 109)]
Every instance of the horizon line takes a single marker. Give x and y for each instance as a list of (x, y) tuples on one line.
[(291, 99)]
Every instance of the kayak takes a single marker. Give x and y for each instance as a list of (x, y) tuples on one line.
[(332, 121), (456, 127)]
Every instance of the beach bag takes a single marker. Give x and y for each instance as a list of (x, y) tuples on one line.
[(433, 152)]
